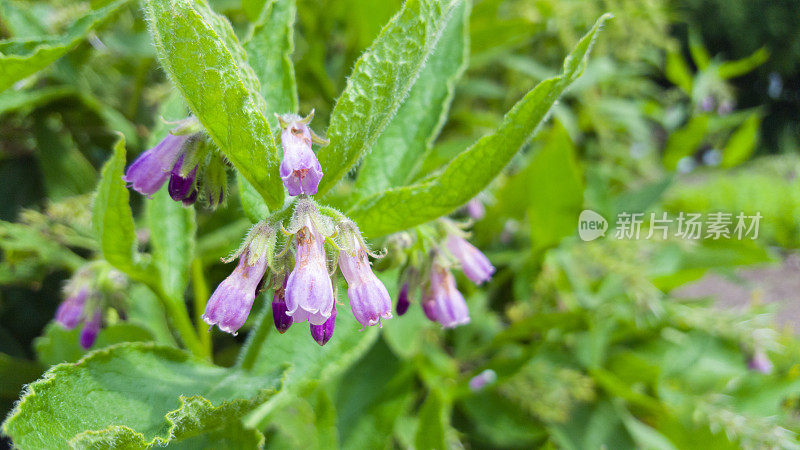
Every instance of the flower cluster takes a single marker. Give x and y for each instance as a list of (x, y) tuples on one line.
[(441, 300), (317, 241), (306, 292), (88, 294), (185, 158)]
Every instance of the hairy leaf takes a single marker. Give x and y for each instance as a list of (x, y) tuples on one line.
[(199, 51), (380, 83), (172, 239), (22, 57), (133, 395), (408, 137), (306, 360), (269, 45), (472, 170), (58, 345), (112, 218)]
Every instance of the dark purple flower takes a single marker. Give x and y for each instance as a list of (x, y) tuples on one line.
[(91, 328), (152, 168), (322, 333), (230, 303), (475, 209), (180, 187), (474, 264), (70, 311), (190, 199), (402, 300), (309, 292), (451, 309), (282, 321), (300, 170), (760, 362), (369, 298)]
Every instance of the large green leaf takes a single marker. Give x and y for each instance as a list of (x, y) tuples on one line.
[(112, 218), (134, 395), (269, 45), (199, 51), (380, 83), (172, 240), (306, 360), (402, 146), (20, 58), (58, 345), (472, 170)]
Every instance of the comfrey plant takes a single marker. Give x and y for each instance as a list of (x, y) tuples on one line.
[(316, 215)]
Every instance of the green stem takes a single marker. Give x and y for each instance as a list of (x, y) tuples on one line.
[(183, 325), (200, 291), (255, 341)]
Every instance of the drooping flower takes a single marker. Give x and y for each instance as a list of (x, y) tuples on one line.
[(279, 309), (429, 306), (70, 311), (481, 380), (402, 300), (152, 168), (230, 303), (322, 333), (91, 328), (760, 362), (474, 264), (309, 292), (450, 308), (300, 170), (369, 298), (475, 209), (181, 188)]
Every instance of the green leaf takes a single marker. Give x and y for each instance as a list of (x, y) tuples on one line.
[(133, 396), (556, 187), (733, 69), (58, 345), (199, 51), (172, 240), (742, 142), (381, 80), (306, 360), (677, 71), (20, 58), (112, 218), (685, 141), (433, 422), (269, 45), (409, 136), (65, 170), (13, 100), (473, 169)]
